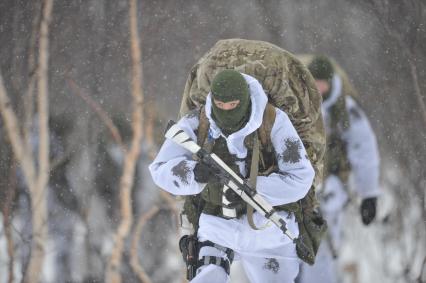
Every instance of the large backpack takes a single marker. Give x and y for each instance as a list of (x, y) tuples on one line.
[(290, 87)]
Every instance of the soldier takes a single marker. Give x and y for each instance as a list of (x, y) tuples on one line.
[(351, 150), (235, 109)]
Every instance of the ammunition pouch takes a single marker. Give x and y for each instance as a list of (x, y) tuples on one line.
[(312, 228), (188, 246)]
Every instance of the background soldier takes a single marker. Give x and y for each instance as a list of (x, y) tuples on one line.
[(352, 157)]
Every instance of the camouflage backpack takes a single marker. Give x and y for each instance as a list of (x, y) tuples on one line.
[(290, 87)]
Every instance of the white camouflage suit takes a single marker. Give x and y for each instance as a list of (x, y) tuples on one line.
[(267, 255), (363, 156)]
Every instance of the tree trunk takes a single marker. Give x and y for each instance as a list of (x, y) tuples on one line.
[(113, 270), (38, 189), (32, 69), (134, 253)]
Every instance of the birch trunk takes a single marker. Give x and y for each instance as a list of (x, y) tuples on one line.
[(38, 190), (113, 269), (134, 254)]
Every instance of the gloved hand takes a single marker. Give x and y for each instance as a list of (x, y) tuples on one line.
[(205, 174), (368, 210)]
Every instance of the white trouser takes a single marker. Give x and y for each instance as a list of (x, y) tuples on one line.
[(267, 255), (257, 269), (323, 271)]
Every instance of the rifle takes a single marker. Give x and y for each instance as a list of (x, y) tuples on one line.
[(231, 180)]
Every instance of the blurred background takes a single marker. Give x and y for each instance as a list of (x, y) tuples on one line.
[(83, 63)]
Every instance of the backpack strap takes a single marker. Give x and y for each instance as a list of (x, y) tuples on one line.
[(203, 127), (254, 170), (265, 129), (264, 134), (194, 204)]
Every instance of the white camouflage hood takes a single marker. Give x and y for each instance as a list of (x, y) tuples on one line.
[(235, 141)]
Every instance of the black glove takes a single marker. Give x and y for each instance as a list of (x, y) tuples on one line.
[(368, 210), (205, 174)]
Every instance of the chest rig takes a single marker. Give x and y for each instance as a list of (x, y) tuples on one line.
[(213, 195)]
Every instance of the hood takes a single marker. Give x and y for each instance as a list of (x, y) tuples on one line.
[(235, 141)]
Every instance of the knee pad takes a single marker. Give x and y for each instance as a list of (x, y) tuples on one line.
[(225, 263), (190, 249)]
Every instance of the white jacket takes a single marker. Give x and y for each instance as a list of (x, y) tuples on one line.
[(361, 144)]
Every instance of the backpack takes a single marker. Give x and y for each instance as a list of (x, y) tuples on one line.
[(290, 87)]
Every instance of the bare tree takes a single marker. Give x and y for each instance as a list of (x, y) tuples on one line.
[(100, 112), (38, 192), (134, 260), (113, 269), (36, 177)]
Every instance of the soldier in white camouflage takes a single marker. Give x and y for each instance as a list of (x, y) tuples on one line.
[(235, 110), (287, 85), (352, 157), (290, 87)]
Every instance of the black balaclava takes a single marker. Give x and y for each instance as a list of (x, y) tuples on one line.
[(230, 85)]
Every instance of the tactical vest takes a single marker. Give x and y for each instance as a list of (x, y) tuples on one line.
[(209, 200)]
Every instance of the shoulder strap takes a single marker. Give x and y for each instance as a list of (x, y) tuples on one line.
[(264, 134), (253, 177), (203, 127), (265, 129)]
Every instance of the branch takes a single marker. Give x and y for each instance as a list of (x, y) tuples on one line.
[(134, 259), (43, 100), (22, 154), (171, 204), (149, 130), (33, 71), (417, 91), (102, 114)]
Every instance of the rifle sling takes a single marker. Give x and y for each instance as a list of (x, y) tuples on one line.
[(253, 176)]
